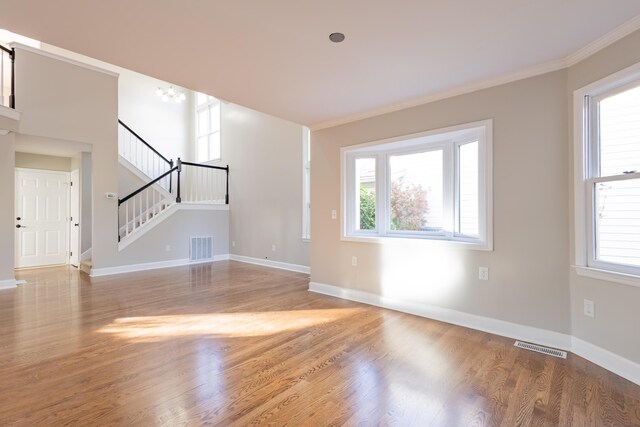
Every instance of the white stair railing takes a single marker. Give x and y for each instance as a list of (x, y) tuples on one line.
[(143, 156), (203, 184)]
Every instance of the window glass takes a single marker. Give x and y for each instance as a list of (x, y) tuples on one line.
[(619, 127), (468, 212), (366, 189), (618, 221), (416, 193)]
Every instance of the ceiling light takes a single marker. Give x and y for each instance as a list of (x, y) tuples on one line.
[(336, 37), (171, 93)]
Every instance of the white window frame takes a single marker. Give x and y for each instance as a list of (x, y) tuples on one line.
[(306, 184), (206, 106), (585, 161), (448, 139)]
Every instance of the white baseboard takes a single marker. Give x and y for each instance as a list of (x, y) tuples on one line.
[(472, 321), (107, 271), (8, 284), (608, 360), (270, 263), (598, 355)]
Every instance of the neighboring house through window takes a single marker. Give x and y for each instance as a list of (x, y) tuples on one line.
[(207, 128), (607, 182), (434, 185)]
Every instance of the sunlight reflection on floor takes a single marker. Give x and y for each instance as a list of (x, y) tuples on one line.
[(156, 328)]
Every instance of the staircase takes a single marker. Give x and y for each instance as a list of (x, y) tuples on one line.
[(167, 183)]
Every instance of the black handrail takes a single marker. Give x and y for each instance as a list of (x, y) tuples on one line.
[(144, 142), (226, 168), (149, 184), (12, 56)]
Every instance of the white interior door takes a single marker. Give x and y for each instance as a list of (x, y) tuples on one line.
[(42, 229), (74, 211)]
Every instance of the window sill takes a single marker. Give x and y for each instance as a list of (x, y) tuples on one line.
[(610, 276), (482, 246)]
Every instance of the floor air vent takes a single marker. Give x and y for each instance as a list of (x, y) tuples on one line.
[(201, 249), (540, 349)]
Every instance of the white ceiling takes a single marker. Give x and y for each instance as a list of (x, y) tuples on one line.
[(275, 56)]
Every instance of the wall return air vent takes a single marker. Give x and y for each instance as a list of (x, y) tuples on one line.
[(201, 249), (541, 349)]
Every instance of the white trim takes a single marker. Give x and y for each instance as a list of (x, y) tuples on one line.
[(10, 113), (601, 357), (107, 271), (536, 70), (163, 215), (472, 321), (582, 153), (607, 359), (607, 40), (8, 284), (270, 263), (608, 275), (21, 46)]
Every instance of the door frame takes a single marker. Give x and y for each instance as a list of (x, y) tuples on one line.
[(68, 210)]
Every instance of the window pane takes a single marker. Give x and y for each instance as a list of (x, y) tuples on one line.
[(201, 98), (203, 123), (366, 188), (214, 144), (618, 221), (417, 191), (469, 189), (620, 133), (203, 149), (214, 117)]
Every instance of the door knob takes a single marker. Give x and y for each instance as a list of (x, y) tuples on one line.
[(76, 224), (18, 218), (20, 226)]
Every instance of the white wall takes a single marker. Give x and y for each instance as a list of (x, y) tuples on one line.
[(264, 154), (165, 125)]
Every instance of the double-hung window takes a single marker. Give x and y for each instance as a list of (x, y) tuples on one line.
[(433, 185), (207, 128), (608, 178)]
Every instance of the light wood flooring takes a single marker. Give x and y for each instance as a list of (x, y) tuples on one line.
[(234, 344)]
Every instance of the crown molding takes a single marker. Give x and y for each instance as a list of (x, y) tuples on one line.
[(41, 52), (536, 70)]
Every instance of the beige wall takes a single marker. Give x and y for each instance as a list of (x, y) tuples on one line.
[(529, 267), (7, 219), (264, 154), (66, 102), (615, 325), (41, 161)]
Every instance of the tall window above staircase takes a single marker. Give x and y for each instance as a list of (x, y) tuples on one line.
[(207, 128)]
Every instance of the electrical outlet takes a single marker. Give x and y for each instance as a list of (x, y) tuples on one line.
[(354, 261), (589, 308), (273, 248), (167, 248), (483, 273), (334, 214)]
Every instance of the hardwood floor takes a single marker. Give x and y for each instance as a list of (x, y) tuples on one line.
[(235, 344)]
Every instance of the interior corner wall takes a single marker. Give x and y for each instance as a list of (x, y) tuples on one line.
[(615, 325), (7, 219), (264, 154), (529, 264)]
